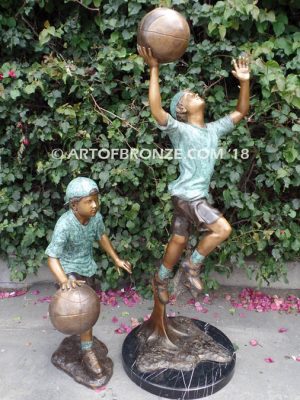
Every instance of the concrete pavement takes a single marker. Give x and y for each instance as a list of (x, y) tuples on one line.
[(27, 341)]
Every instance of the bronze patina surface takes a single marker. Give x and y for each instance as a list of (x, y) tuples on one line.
[(68, 358), (74, 311), (166, 32), (175, 343)]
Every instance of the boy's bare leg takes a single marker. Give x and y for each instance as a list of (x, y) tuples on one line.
[(87, 336), (89, 357), (219, 231), (172, 255), (174, 251)]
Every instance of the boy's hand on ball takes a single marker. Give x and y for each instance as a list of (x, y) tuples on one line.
[(146, 53), (241, 68), (71, 284), (124, 265)]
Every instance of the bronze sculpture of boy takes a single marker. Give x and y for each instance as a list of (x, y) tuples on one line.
[(188, 131), (70, 253)]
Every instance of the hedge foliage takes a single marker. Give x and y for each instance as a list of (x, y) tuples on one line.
[(71, 79)]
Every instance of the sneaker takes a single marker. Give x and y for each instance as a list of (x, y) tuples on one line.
[(161, 287), (192, 272), (91, 362)]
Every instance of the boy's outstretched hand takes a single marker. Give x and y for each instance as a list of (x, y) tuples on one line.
[(241, 69), (71, 283), (146, 53), (124, 265)]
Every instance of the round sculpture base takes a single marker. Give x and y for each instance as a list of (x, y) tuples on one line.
[(68, 358), (205, 379)]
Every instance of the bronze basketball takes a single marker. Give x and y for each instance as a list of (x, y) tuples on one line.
[(74, 311), (166, 32)]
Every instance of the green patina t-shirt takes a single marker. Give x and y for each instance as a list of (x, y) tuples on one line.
[(197, 151), (72, 243)]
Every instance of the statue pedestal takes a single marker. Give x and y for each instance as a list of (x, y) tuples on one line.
[(203, 379), (68, 358), (178, 358)]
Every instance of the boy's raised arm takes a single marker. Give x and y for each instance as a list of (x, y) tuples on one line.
[(158, 113), (242, 73)]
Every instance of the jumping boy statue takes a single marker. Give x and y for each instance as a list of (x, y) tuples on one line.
[(189, 134), (70, 253)]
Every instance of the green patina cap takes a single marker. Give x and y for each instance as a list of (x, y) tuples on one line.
[(174, 103), (80, 187)]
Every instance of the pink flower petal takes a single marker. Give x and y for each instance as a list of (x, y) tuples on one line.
[(100, 389), (12, 73), (171, 314), (134, 322), (126, 328), (207, 299), (35, 292), (251, 300), (46, 299), (6, 295), (269, 360), (114, 320), (282, 330), (253, 342)]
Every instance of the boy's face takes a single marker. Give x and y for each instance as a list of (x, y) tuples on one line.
[(87, 206), (193, 103)]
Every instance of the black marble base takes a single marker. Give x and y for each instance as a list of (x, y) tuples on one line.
[(205, 379), (68, 358)]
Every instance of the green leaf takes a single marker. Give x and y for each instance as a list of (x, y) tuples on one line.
[(281, 173), (130, 224), (14, 93), (279, 28), (296, 128), (29, 89), (67, 110), (211, 27), (270, 148), (272, 64), (222, 31), (290, 154)]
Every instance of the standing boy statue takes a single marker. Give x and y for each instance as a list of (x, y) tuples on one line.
[(70, 253), (189, 134)]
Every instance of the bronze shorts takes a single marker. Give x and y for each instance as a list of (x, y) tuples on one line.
[(188, 213)]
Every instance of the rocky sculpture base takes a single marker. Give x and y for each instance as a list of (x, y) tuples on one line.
[(178, 358), (68, 358), (196, 369)]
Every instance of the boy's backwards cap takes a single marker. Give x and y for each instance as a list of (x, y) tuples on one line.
[(175, 100), (80, 187)]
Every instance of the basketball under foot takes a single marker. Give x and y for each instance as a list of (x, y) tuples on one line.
[(91, 363)]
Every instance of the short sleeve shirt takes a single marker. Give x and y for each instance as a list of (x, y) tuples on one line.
[(72, 243), (198, 150)]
